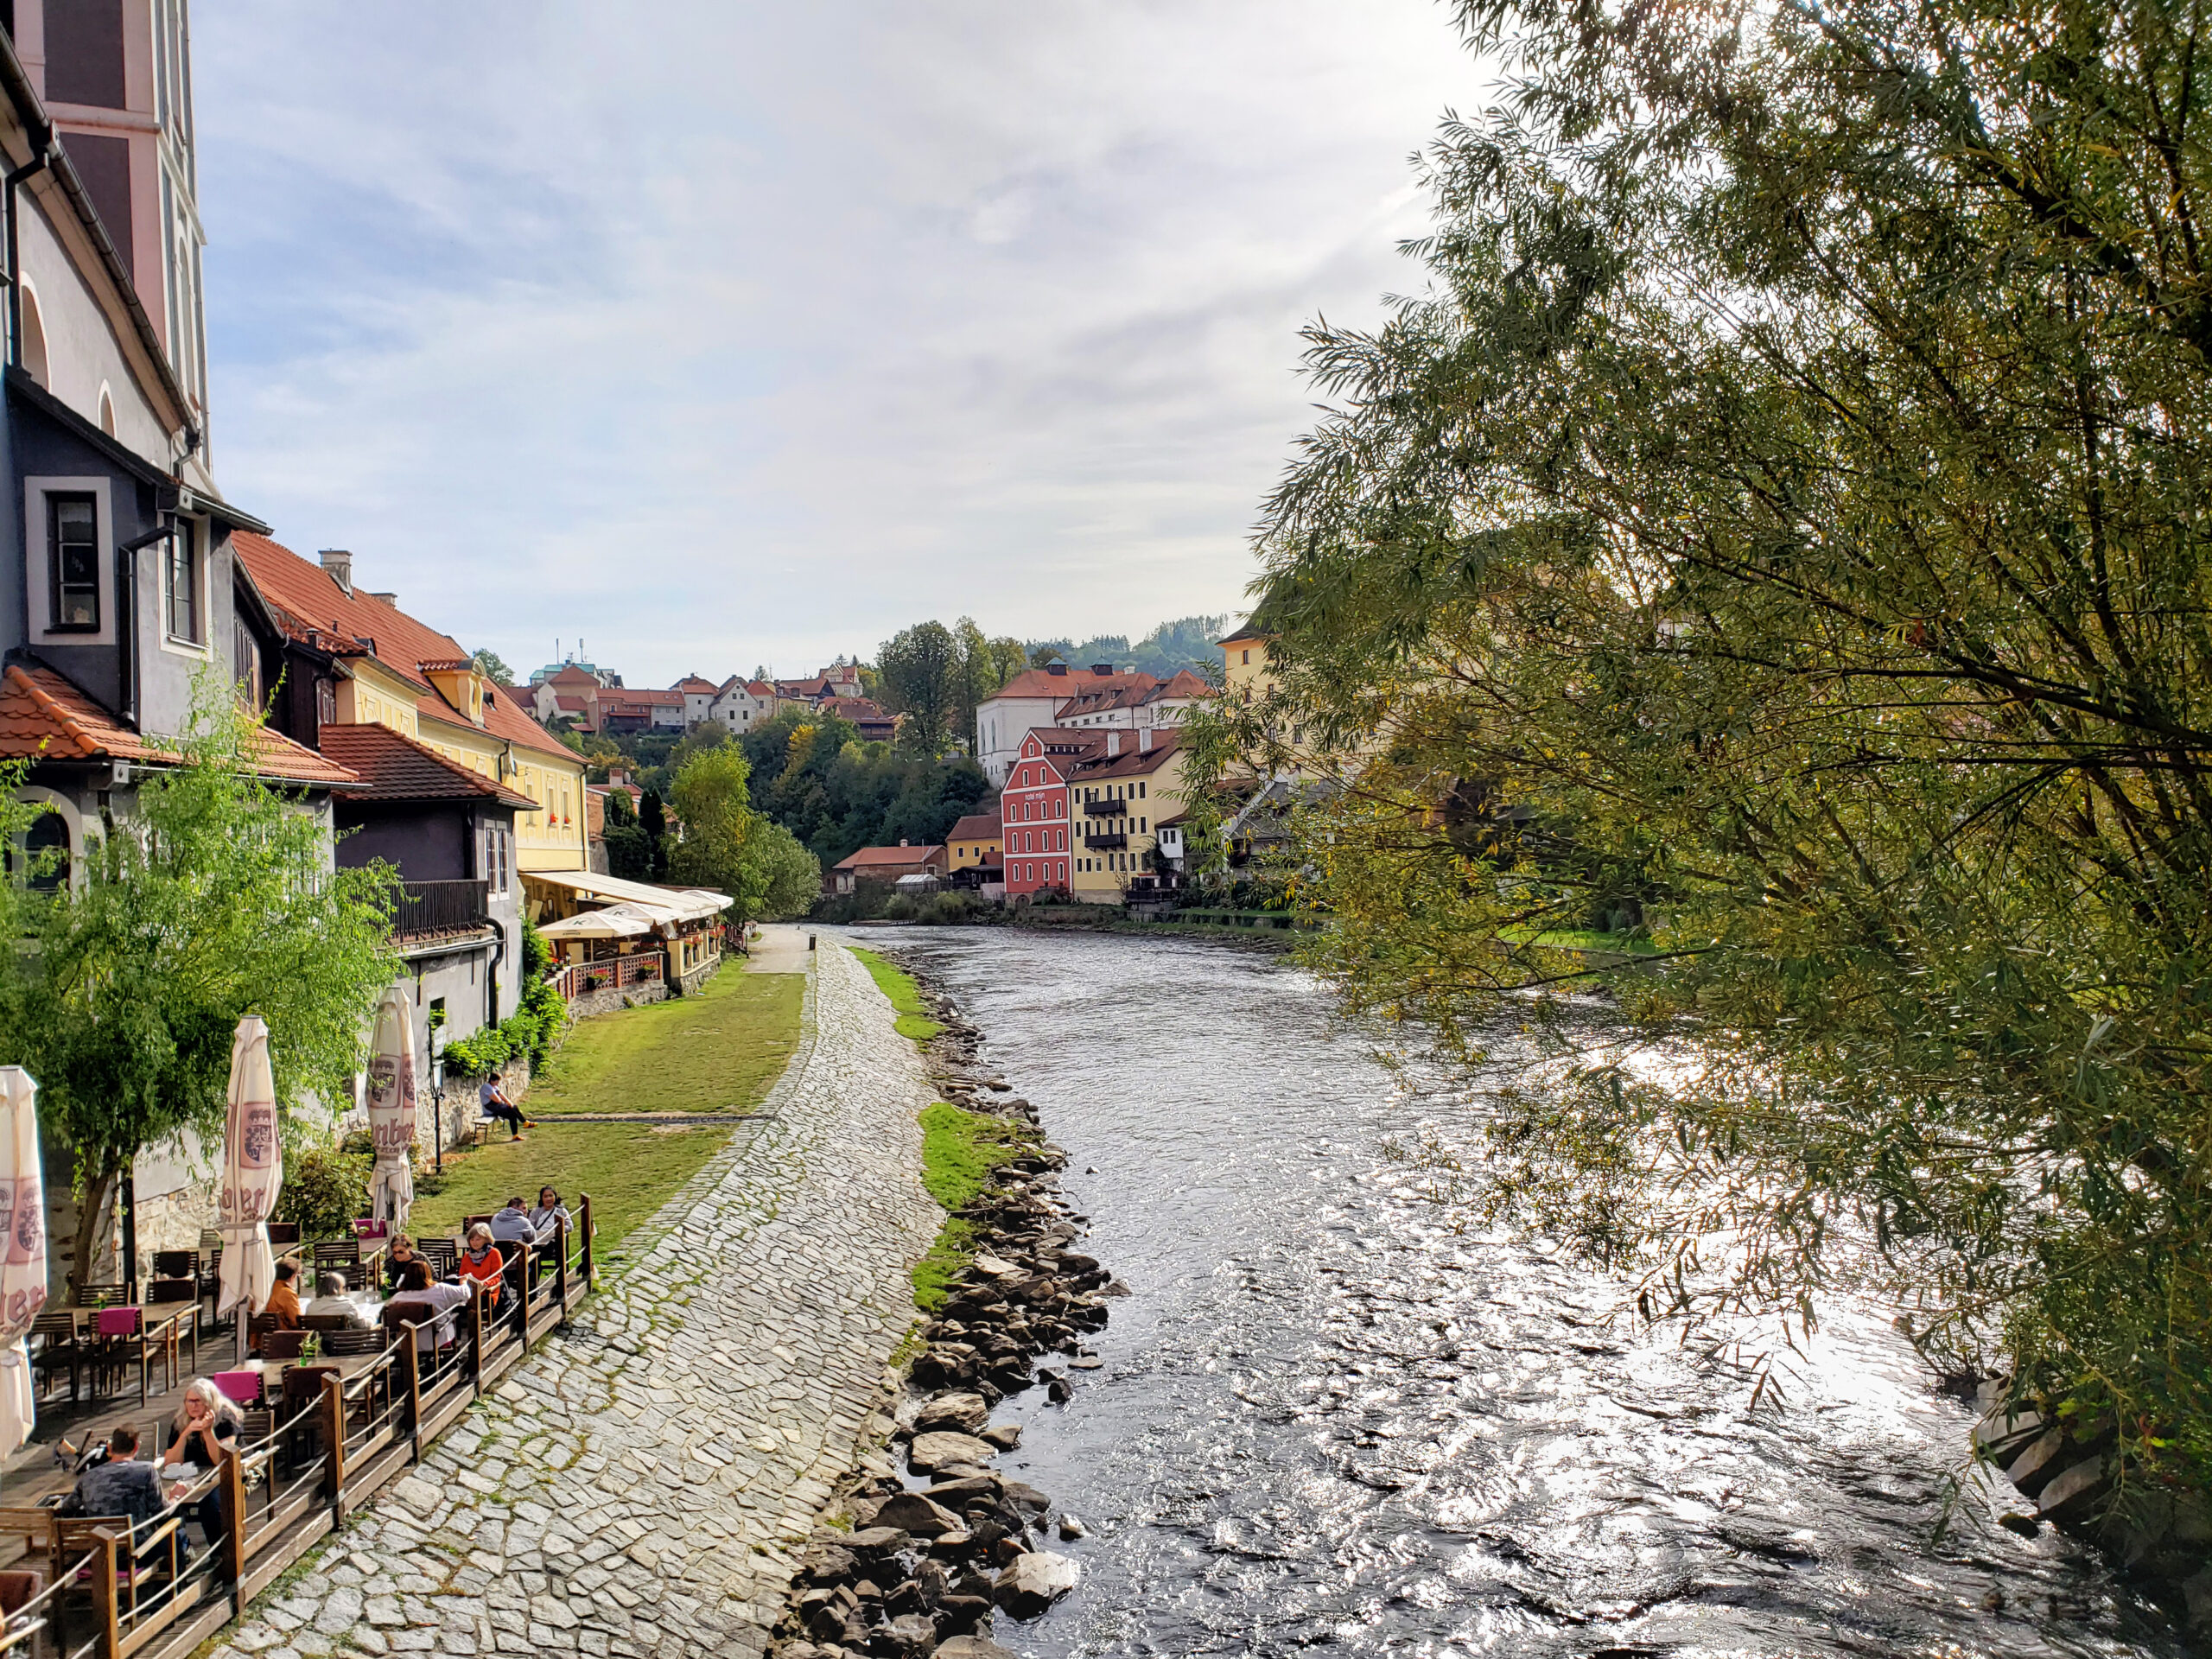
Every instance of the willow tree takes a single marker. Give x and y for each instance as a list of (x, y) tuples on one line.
[(1778, 526), (212, 900)]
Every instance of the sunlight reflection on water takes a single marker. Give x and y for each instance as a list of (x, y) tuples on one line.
[(1332, 1416)]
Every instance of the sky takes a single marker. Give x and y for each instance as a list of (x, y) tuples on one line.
[(718, 334)]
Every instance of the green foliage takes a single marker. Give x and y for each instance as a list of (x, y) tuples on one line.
[(923, 673), (530, 1032), (324, 1190), (213, 901), (1170, 648), (731, 849), (1779, 517), (492, 666), (913, 1021), (812, 775)]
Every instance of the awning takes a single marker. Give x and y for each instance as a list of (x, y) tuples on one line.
[(684, 904), (622, 921)]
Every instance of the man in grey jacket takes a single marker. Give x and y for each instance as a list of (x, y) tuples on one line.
[(120, 1486)]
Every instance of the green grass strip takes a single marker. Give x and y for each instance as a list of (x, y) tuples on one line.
[(914, 1021), (959, 1151)]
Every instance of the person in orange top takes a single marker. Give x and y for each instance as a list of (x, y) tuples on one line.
[(481, 1260), (283, 1305)]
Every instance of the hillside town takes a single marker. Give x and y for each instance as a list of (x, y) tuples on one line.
[(1646, 923)]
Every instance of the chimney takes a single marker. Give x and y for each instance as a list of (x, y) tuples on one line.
[(392, 600), (1144, 741), (339, 564), (903, 840), (1113, 739)]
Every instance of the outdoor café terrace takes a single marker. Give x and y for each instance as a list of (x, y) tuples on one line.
[(331, 1414)]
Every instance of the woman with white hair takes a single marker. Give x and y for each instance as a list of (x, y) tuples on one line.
[(207, 1426)]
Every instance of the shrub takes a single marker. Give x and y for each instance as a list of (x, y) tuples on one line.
[(324, 1190)]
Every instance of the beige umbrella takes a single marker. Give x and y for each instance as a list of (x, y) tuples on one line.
[(391, 1108), (22, 1252), (253, 1171)]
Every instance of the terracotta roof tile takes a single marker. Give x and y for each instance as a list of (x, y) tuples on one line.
[(868, 857), (44, 717), (307, 596), (393, 766), (977, 826)]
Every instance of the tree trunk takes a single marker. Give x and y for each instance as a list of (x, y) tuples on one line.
[(98, 1188)]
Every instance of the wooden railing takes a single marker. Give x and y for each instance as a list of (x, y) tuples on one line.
[(139, 1598), (617, 972), (427, 907)]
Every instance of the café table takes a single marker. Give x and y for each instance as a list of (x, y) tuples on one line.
[(167, 1324)]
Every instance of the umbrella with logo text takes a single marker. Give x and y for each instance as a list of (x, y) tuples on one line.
[(391, 1108), (22, 1252), (253, 1171)]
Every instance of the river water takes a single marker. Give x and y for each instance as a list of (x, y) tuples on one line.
[(1331, 1416)]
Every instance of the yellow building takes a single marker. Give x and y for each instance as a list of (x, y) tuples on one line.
[(1118, 798), (388, 669), (973, 845)]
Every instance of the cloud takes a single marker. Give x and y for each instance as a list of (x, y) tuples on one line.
[(717, 333)]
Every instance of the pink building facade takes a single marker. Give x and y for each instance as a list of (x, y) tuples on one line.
[(1033, 812)]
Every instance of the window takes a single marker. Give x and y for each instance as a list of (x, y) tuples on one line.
[(1139, 791), (73, 557), (1247, 657), (41, 859), (245, 664), (326, 702), (33, 337), (180, 585)]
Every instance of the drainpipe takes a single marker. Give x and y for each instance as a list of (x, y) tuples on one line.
[(126, 579)]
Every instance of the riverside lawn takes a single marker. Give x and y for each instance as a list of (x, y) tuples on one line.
[(913, 1014), (720, 1049)]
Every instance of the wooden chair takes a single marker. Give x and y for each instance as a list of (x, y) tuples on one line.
[(35, 1528), (56, 1344), (177, 1264), (338, 1255), (284, 1232), (325, 1322), (443, 1255), (100, 1295), (120, 1333), (172, 1290), (345, 1344), (283, 1344)]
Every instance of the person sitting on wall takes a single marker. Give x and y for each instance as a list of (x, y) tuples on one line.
[(481, 1261), (284, 1308), (332, 1302), (420, 1302), (492, 1102)]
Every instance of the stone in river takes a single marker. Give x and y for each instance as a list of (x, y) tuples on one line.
[(1072, 1528), (938, 1450), (1034, 1582), (1005, 1436), (912, 1512), (996, 1268), (965, 1413), (913, 1634), (973, 1647)]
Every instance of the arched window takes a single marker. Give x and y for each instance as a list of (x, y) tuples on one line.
[(46, 853), (34, 341)]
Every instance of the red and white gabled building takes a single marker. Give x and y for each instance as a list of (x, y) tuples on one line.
[(1034, 819)]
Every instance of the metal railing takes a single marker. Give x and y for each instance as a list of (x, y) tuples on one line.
[(1102, 842), (427, 907), (1105, 809)]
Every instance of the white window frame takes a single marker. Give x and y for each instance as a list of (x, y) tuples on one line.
[(177, 645)]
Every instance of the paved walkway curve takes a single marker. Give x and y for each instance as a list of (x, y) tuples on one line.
[(639, 1486)]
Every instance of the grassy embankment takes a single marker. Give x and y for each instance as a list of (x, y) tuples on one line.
[(718, 1052), (959, 1148)]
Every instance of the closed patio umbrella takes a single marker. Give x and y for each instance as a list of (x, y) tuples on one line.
[(22, 1252), (391, 1108), (253, 1171)]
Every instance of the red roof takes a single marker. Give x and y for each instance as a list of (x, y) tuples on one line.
[(304, 595), (43, 717), (872, 857), (855, 709), (1041, 683), (693, 682), (977, 826), (393, 766), (1128, 764)]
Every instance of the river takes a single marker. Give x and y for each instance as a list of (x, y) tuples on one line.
[(1331, 1415)]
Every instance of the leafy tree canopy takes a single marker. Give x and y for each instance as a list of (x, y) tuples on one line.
[(836, 794), (1778, 525), (492, 666)]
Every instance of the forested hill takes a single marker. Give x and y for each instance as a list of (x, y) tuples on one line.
[(812, 775), (1185, 642)]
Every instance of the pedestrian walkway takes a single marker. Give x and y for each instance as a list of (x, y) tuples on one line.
[(640, 1488), (781, 949)]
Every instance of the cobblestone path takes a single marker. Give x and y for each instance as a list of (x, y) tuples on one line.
[(637, 1486)]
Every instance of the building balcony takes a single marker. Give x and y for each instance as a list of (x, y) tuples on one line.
[(431, 907), (1106, 843), (1105, 809)]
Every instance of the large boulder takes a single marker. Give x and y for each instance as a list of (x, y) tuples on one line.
[(964, 1414), (973, 1647), (1032, 1582), (912, 1512), (941, 1451)]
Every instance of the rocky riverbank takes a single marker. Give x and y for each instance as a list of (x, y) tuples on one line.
[(903, 1565)]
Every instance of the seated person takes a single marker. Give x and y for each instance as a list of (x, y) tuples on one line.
[(482, 1261), (421, 1301), (550, 1211), (514, 1226), (395, 1260), (120, 1486), (492, 1101), (206, 1426), (284, 1301), (331, 1302)]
